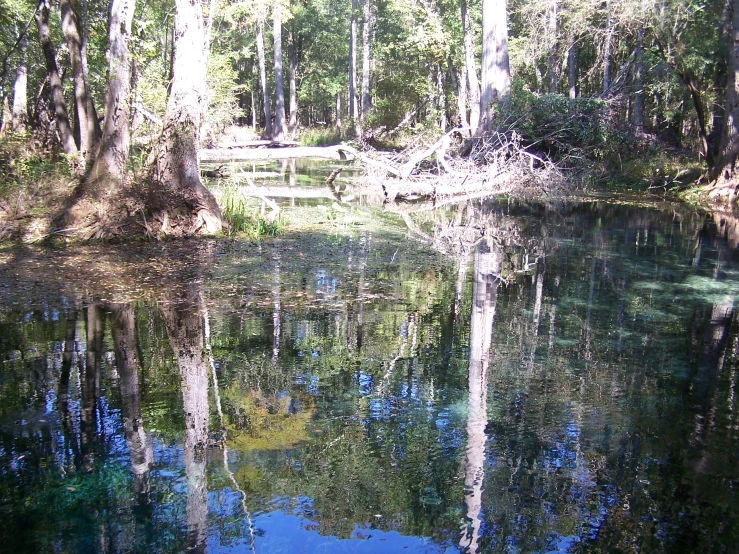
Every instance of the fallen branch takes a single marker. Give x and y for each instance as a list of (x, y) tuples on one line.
[(271, 203)]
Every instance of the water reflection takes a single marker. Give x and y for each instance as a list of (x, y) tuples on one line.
[(551, 381)]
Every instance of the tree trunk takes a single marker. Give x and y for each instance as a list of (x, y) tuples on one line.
[(496, 76), (338, 115), (20, 87), (469, 59), (353, 108), (607, 52), (639, 82), (176, 165), (293, 62), (366, 29), (572, 70), (280, 129), (725, 167), (59, 104), (263, 76), (553, 72), (460, 89), (108, 169), (86, 121)]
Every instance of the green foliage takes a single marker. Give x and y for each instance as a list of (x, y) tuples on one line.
[(319, 136), (245, 218), (567, 130)]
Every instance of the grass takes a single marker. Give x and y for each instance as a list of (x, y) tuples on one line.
[(246, 218)]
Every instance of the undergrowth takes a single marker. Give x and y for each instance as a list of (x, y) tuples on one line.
[(247, 218)]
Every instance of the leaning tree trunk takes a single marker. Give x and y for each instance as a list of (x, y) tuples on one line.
[(263, 76), (59, 104), (180, 193), (280, 129), (725, 168), (469, 60), (496, 75), (366, 29), (20, 87), (86, 122)]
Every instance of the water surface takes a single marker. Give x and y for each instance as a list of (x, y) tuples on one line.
[(504, 378)]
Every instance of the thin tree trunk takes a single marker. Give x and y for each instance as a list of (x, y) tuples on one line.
[(59, 104), (176, 166), (108, 169), (441, 98), (20, 90), (552, 43), (86, 122), (353, 108), (338, 115), (496, 76), (7, 118), (253, 105), (366, 29), (280, 129), (639, 82), (263, 76), (607, 51), (293, 62), (469, 59), (460, 89), (572, 70)]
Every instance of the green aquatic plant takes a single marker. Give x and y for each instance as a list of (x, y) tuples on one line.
[(247, 218)]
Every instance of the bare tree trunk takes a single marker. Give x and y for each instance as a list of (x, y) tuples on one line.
[(441, 98), (176, 166), (469, 59), (280, 129), (725, 167), (338, 115), (86, 122), (293, 62), (496, 76), (59, 104), (353, 108), (366, 29), (7, 118), (460, 89), (20, 88), (639, 82), (108, 169), (607, 51), (552, 43), (572, 69), (263, 76)]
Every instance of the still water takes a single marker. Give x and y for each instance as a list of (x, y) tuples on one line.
[(504, 378)]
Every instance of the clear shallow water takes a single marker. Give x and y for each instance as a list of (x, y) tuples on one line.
[(556, 381)]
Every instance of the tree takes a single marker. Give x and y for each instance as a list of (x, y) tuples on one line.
[(86, 127), (353, 108), (280, 129), (366, 29), (263, 74), (58, 103), (469, 60), (175, 171), (725, 168), (20, 93), (496, 76)]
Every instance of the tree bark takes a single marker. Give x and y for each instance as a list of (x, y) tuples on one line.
[(639, 82), (353, 108), (86, 126), (20, 90), (108, 169), (293, 63), (263, 76), (59, 104), (338, 115), (366, 29), (572, 70), (496, 76), (725, 167), (460, 89), (553, 72), (280, 128), (469, 60), (176, 165), (607, 51)]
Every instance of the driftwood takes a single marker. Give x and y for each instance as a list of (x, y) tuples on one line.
[(271, 203), (222, 155), (260, 144)]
